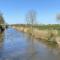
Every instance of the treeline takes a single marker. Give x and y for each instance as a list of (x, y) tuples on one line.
[(39, 26), (49, 26)]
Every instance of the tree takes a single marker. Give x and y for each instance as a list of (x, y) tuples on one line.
[(58, 17), (31, 19), (1, 19), (2, 22)]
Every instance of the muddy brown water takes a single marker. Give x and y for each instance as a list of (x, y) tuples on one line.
[(16, 45)]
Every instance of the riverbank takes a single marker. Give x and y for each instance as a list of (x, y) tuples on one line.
[(50, 36)]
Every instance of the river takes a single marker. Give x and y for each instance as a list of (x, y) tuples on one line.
[(16, 45)]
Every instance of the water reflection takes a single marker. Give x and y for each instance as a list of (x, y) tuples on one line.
[(1, 43), (30, 46)]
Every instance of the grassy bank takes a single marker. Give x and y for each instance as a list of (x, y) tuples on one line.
[(46, 33)]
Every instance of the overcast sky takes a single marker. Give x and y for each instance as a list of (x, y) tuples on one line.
[(14, 11)]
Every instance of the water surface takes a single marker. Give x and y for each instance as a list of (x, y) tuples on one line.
[(16, 45)]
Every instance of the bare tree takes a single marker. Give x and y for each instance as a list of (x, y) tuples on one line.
[(31, 19), (58, 17)]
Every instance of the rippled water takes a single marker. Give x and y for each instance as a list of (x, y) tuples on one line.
[(16, 45)]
